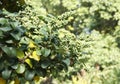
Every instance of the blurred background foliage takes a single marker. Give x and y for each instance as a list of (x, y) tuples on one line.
[(59, 41)]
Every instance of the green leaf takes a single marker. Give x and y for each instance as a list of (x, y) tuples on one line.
[(9, 41), (45, 52), (15, 66), (43, 32), (5, 29), (45, 64), (1, 65), (10, 51), (20, 69), (14, 24), (24, 40), (17, 35), (67, 62), (38, 52), (29, 75), (1, 34), (6, 73), (3, 21)]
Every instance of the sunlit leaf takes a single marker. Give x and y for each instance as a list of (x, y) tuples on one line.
[(61, 35), (31, 45), (74, 80), (35, 56), (12, 82), (20, 69), (28, 61), (20, 54)]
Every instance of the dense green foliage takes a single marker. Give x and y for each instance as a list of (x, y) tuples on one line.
[(59, 41)]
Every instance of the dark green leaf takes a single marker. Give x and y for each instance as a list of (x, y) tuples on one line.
[(1, 34), (6, 73), (1, 65), (10, 51), (45, 64), (16, 35), (29, 75)]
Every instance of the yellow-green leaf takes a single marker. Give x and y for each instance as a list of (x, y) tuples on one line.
[(2, 81), (70, 28), (35, 56), (28, 61), (31, 45), (20, 54)]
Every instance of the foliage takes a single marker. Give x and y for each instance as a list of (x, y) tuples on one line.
[(59, 41)]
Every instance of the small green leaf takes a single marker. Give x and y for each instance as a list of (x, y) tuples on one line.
[(20, 54), (29, 75), (67, 62), (6, 73), (38, 52), (28, 61), (15, 66), (1, 34), (24, 40), (20, 69), (3, 21), (45, 52), (45, 64), (5, 29), (9, 41)]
